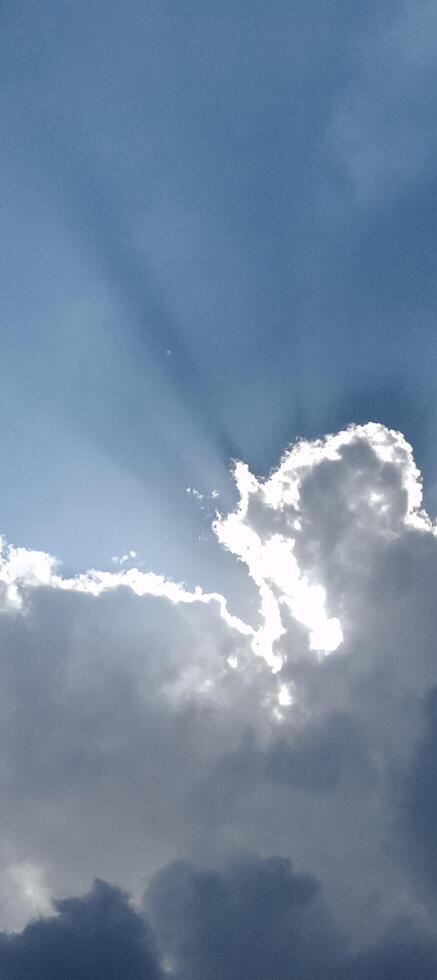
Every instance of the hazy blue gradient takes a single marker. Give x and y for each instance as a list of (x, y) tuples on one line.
[(250, 186)]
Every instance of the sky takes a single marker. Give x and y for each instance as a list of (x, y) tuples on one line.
[(218, 490)]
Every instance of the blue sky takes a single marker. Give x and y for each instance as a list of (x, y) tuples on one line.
[(217, 380), (250, 188)]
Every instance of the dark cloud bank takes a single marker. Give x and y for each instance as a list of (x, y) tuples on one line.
[(269, 815), (255, 920)]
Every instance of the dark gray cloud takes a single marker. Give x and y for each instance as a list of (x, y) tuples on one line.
[(415, 794), (254, 919), (251, 919), (260, 918), (403, 954), (97, 937)]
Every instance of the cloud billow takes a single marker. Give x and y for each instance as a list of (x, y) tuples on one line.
[(150, 737), (253, 919), (97, 937)]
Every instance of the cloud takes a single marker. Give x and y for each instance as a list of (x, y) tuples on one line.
[(259, 917), (416, 797), (116, 693), (255, 918), (402, 954), (252, 918), (142, 722), (97, 937), (368, 471)]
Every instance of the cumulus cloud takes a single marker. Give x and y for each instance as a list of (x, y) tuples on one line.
[(255, 918), (259, 918), (142, 723), (97, 937)]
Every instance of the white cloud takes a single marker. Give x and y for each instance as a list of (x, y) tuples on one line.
[(142, 721), (267, 525), (24, 889), (123, 559)]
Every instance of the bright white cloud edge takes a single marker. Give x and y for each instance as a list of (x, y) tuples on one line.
[(270, 559)]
